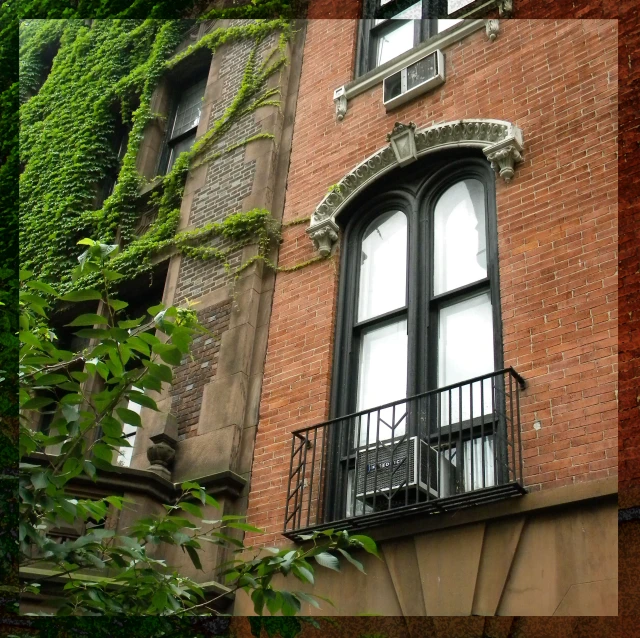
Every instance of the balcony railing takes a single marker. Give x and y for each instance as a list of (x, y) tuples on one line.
[(450, 448)]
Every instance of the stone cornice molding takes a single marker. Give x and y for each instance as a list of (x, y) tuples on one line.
[(500, 141)]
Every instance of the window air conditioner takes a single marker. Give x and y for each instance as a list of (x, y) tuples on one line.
[(376, 473), (413, 80)]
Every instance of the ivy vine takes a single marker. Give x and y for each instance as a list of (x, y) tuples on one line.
[(66, 150)]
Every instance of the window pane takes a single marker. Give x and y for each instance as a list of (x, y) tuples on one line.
[(189, 109), (382, 378), (180, 147), (414, 12), (129, 431), (454, 5), (393, 42), (383, 267), (443, 25), (465, 350), (478, 467), (460, 241)]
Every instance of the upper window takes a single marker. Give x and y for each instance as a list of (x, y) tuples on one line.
[(419, 311), (395, 28), (183, 124)]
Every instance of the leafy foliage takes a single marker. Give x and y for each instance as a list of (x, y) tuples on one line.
[(153, 9), (102, 72), (107, 572)]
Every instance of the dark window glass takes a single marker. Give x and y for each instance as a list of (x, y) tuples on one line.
[(184, 123)]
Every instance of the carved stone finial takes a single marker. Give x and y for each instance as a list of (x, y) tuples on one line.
[(493, 28), (505, 8), (324, 237), (161, 454)]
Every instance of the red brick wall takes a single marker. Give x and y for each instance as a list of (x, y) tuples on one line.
[(557, 239)]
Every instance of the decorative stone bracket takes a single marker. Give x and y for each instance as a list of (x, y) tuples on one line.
[(501, 142), (493, 28)]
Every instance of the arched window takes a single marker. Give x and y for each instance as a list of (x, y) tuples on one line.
[(418, 311)]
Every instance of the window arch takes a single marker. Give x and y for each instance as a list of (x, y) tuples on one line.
[(418, 310)]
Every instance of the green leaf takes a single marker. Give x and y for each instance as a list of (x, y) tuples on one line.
[(37, 402), (82, 295), (193, 555), (111, 427), (257, 596), (309, 599), (142, 399), (159, 600), (327, 560), (103, 452), (169, 354), (51, 379), (42, 287), (118, 304), (366, 542), (302, 573), (40, 480), (161, 371), (245, 527), (25, 274), (154, 310), (89, 320), (357, 564), (129, 416), (290, 604), (130, 323), (191, 508), (89, 469)]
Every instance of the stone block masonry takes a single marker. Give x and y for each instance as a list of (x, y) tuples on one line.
[(557, 235)]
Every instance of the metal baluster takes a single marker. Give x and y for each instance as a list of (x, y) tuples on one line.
[(375, 475), (320, 513), (519, 432), (484, 464), (286, 509), (451, 471), (471, 437), (313, 467), (302, 476), (355, 472), (366, 463), (513, 437), (496, 427)]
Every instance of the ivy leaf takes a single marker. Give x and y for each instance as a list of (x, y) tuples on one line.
[(89, 320)]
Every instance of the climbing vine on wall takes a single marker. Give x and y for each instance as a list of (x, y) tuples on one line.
[(104, 71), (156, 9)]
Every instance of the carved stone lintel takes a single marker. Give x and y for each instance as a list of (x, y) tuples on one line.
[(493, 28), (505, 8), (324, 236), (500, 140), (163, 450), (505, 155)]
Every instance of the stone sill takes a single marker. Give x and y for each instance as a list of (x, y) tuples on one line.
[(128, 479), (439, 41)]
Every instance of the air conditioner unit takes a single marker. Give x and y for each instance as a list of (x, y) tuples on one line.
[(414, 79), (375, 467)]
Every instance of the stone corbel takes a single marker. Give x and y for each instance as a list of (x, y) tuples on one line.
[(163, 451), (340, 100), (505, 8), (324, 236), (506, 154), (493, 28)]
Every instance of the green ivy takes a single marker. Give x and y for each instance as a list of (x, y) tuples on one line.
[(158, 10), (66, 151)]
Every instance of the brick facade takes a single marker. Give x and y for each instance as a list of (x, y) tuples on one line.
[(557, 81)]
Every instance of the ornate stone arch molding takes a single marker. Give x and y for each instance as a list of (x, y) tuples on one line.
[(501, 142)]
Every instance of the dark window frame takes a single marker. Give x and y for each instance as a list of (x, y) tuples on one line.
[(369, 32), (171, 141), (417, 198)]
